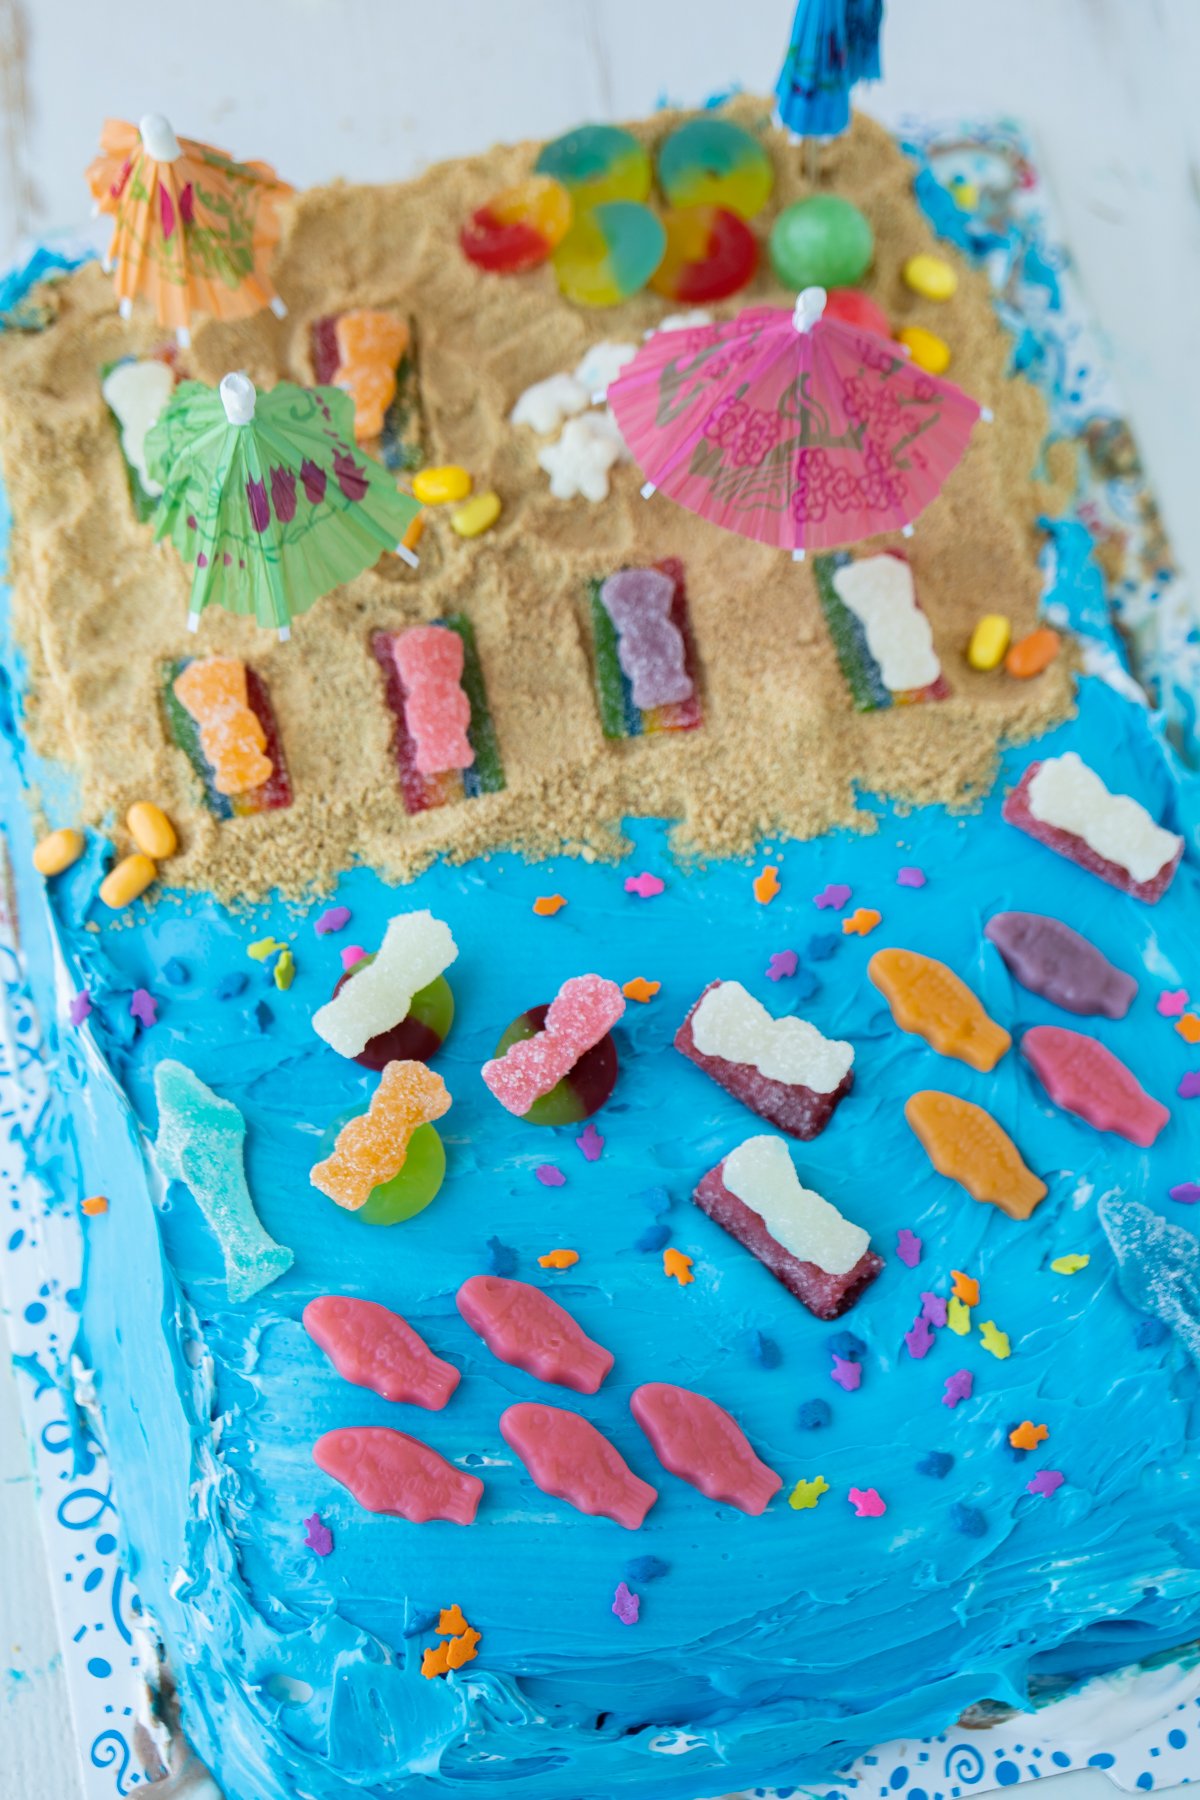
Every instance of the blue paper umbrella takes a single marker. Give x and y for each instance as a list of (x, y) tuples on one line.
[(834, 44), (864, 20)]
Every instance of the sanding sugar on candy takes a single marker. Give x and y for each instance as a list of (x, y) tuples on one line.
[(578, 463), (583, 1012), (650, 646), (416, 949), (548, 404), (214, 691), (371, 1148), (437, 713)]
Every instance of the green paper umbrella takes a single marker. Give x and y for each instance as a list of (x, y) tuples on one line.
[(269, 497)]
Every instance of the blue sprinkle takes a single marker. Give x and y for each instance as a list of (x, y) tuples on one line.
[(263, 1016), (765, 1351), (917, 1794), (937, 1463), (898, 1778), (502, 1260), (176, 972), (657, 1199), (845, 1344), (1145, 1780), (971, 1522), (1060, 1759), (804, 984), (420, 1623), (654, 1237), (99, 1666), (1149, 1332), (1177, 1739), (814, 1414), (821, 946), (231, 985), (646, 1568), (1007, 1774), (1101, 1760)]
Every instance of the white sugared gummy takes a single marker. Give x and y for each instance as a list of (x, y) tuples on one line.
[(416, 949), (879, 591), (137, 393), (731, 1023), (1066, 793), (762, 1175)]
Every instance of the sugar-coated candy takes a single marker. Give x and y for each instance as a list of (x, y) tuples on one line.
[(823, 241), (930, 276), (1053, 960), (783, 1069), (375, 1348), (697, 1440), (548, 404), (1031, 655), (881, 594), (989, 641), (964, 1142), (523, 1326), (926, 348), (601, 363), (441, 484), (597, 163), (584, 1011), (214, 691), (1083, 1076), (579, 462), (151, 830), (389, 1472), (650, 646), (370, 345), (429, 661), (1063, 803), (136, 391), (708, 161), (58, 850), (200, 1143), (568, 1458), (371, 1148), (609, 253), (519, 227), (128, 879), (416, 949), (850, 306), (1158, 1269), (476, 515), (710, 253), (928, 998), (756, 1196)]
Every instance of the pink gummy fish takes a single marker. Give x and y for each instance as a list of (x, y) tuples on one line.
[(697, 1440), (377, 1349), (585, 1009), (1085, 1078), (570, 1459), (525, 1327), (389, 1472)]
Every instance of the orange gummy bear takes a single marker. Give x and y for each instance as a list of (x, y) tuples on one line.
[(212, 689), (929, 999), (370, 345), (964, 1142), (371, 1148)]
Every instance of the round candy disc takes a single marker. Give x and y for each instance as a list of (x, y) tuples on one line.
[(823, 241), (579, 1094), (850, 306), (419, 1035), (519, 227), (710, 254), (711, 162), (407, 1193), (609, 253), (597, 162)]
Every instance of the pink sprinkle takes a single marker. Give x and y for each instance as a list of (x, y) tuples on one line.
[(644, 886), (908, 1247), (351, 954), (550, 1175), (317, 1536), (959, 1386), (1187, 1193), (910, 876), (626, 1605), (834, 894), (334, 918), (933, 1308), (848, 1375), (80, 1007), (1172, 1004), (144, 1007), (919, 1337), (1189, 1085), (782, 964), (590, 1142), (1046, 1482), (867, 1503)]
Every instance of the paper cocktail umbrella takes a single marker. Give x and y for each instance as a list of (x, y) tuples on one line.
[(193, 230), (790, 428), (269, 497), (834, 43)]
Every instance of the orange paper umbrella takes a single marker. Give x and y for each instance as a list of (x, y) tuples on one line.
[(194, 230)]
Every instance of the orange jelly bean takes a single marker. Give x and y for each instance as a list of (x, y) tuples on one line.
[(370, 345), (964, 1142), (1030, 655), (929, 999)]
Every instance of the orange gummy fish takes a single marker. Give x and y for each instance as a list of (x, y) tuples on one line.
[(372, 1148), (928, 998), (964, 1142), (370, 345)]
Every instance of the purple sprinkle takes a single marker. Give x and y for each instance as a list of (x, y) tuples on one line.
[(1172, 1004), (919, 1337), (1045, 1482), (1189, 1085), (782, 964), (351, 954), (908, 1247), (317, 1536), (590, 1142), (80, 1007), (933, 1308), (144, 1007), (334, 918), (626, 1605), (910, 876), (550, 1175), (644, 886), (835, 894), (848, 1375), (1187, 1193), (959, 1386)]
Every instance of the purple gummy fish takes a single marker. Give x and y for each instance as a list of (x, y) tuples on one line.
[(1052, 960)]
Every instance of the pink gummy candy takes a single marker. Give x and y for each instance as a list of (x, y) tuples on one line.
[(1017, 811), (1085, 1078), (429, 661), (389, 1472), (377, 1349), (525, 1327), (585, 1010), (570, 1459), (697, 1440), (650, 646)]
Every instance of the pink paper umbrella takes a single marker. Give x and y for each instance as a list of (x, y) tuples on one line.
[(791, 428)]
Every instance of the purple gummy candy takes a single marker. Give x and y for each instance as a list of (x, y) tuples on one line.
[(650, 646), (1051, 959)]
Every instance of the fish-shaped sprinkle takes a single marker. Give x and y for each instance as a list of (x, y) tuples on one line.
[(390, 1472), (569, 1458), (964, 1142), (525, 1327), (697, 1440), (377, 1349)]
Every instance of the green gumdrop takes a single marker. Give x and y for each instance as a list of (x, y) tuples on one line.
[(409, 1192), (821, 242), (433, 1007), (562, 1105)]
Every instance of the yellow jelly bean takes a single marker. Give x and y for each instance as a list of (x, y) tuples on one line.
[(926, 349), (58, 851), (151, 830), (477, 515), (931, 276), (965, 194), (129, 878), (989, 641), (434, 487)]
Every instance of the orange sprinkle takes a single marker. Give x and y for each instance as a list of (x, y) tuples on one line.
[(559, 1259), (680, 1266), (94, 1205), (862, 920), (436, 1660), (640, 989), (1189, 1028), (462, 1649), (1030, 655), (966, 1288), (766, 885), (412, 535), (1027, 1435), (546, 905), (451, 1621)]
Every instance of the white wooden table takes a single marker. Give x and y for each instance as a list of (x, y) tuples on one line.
[(374, 89)]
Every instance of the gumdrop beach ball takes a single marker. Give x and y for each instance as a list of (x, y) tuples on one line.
[(823, 241), (850, 306)]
